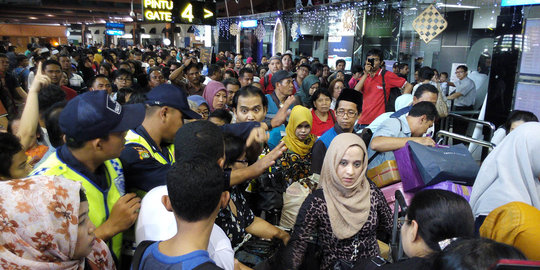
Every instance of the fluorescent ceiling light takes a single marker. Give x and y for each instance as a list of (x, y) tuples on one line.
[(457, 6)]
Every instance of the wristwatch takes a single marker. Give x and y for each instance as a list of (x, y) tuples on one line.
[(268, 123)]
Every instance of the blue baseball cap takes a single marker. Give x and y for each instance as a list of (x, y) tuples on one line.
[(172, 96), (95, 114)]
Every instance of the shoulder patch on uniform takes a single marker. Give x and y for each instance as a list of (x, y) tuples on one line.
[(143, 153)]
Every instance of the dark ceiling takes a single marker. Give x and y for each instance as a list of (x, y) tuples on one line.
[(100, 11)]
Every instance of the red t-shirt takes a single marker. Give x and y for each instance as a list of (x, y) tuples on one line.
[(320, 127), (70, 93), (267, 85), (373, 104)]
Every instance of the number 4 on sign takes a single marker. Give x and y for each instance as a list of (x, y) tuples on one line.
[(188, 13)]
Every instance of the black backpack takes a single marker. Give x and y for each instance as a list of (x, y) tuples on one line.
[(390, 101)]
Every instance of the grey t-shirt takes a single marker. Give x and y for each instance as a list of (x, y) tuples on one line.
[(468, 90), (392, 127)]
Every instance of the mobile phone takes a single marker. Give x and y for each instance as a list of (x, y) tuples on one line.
[(378, 261), (371, 61)]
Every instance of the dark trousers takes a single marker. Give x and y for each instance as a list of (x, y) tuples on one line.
[(460, 126)]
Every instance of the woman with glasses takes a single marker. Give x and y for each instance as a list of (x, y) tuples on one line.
[(434, 219), (200, 106), (237, 220), (345, 212)]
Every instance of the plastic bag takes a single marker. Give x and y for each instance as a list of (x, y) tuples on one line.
[(292, 201)]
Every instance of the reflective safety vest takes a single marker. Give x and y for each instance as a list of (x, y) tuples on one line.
[(133, 138), (100, 202)]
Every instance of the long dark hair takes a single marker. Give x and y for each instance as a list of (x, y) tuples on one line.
[(440, 215)]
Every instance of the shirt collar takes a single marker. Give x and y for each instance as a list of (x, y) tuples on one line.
[(405, 125), (65, 155)]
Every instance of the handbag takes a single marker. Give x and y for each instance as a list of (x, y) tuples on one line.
[(444, 163), (410, 176), (342, 264)]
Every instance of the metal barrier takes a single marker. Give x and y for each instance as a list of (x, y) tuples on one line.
[(444, 133), (473, 120)]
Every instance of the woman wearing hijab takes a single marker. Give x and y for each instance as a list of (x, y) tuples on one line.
[(510, 173), (215, 95), (309, 85), (47, 226), (345, 212), (296, 161), (200, 106)]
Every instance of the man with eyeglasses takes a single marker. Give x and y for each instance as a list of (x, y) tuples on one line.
[(348, 107), (463, 97)]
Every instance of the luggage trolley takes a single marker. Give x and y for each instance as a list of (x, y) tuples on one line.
[(400, 213)]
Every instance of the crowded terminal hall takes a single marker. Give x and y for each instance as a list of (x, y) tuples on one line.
[(269, 135)]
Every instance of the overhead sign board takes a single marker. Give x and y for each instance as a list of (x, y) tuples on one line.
[(248, 24), (115, 29), (180, 11)]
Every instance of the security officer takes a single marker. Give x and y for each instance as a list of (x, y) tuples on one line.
[(95, 127), (149, 151)]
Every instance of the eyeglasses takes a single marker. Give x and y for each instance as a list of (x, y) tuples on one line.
[(123, 79), (204, 113), (350, 113)]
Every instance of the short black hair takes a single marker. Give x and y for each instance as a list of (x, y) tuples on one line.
[(121, 94), (3, 55), (426, 73), (317, 93), (199, 140), (50, 95), (231, 73), (51, 117), (213, 69), (402, 65), (234, 148), (93, 79), (9, 146), (440, 215), (221, 114), (426, 87), (464, 67), (375, 52), (233, 81), (244, 71), (248, 91), (316, 67), (190, 66), (123, 72), (518, 115), (477, 253), (189, 201), (340, 61), (50, 62), (424, 108), (357, 69), (445, 74), (306, 66), (20, 59)]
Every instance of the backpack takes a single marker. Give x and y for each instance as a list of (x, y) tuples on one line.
[(390, 101)]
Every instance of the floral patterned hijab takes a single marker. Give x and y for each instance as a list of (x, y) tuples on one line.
[(39, 219)]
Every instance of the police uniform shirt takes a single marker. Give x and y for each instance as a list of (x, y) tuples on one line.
[(98, 178), (141, 170)]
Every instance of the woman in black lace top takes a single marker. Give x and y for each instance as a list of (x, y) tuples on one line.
[(346, 213)]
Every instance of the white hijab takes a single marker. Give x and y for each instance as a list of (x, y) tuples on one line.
[(510, 173)]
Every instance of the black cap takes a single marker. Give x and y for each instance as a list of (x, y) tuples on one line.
[(172, 96), (351, 95), (280, 75), (95, 114)]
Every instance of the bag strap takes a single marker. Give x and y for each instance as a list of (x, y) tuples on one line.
[(332, 115), (139, 252), (377, 153), (383, 72)]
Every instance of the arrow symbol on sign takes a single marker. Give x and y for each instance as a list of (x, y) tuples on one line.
[(208, 13)]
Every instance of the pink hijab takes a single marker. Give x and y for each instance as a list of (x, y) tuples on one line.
[(40, 216), (212, 88)]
